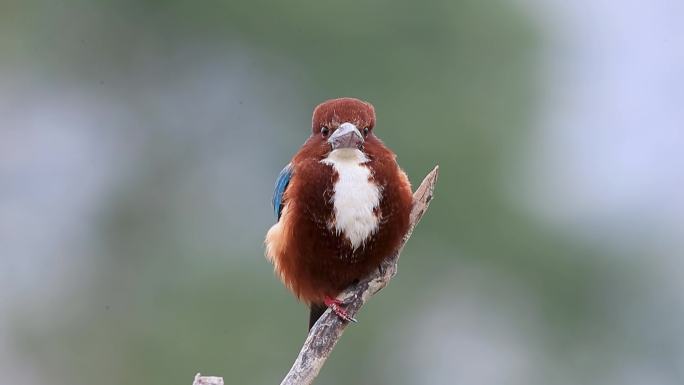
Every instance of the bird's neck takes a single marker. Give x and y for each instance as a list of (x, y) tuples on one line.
[(346, 155)]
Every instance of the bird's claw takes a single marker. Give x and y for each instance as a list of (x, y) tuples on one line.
[(337, 307)]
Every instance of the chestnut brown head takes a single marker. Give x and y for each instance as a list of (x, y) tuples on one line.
[(343, 122)]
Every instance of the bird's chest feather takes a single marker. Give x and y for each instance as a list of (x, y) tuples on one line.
[(355, 197)]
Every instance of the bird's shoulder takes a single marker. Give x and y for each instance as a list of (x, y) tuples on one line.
[(310, 172), (281, 185)]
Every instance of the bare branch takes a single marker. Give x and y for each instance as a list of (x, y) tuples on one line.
[(207, 380)]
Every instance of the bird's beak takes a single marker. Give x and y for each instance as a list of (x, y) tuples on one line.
[(346, 136)]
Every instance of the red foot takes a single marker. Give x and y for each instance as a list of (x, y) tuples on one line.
[(337, 306)]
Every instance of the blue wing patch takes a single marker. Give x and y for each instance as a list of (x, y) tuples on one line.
[(280, 186)]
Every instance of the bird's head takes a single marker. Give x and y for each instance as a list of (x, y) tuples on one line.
[(344, 123)]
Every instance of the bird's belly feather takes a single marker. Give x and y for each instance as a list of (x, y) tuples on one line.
[(355, 197), (340, 221)]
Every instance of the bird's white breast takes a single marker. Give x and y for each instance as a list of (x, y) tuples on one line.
[(355, 197)]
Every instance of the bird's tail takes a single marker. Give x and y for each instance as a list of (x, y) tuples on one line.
[(316, 311)]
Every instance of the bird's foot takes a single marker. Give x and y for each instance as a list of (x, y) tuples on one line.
[(337, 307)]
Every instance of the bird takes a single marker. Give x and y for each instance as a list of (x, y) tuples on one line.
[(342, 206)]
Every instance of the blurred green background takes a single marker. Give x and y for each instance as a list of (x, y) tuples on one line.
[(141, 140)]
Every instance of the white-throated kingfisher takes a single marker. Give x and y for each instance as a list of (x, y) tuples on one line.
[(342, 205)]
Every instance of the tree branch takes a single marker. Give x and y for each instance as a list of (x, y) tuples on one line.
[(207, 380), (329, 328)]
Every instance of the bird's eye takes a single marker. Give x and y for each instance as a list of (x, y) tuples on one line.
[(366, 131), (325, 131)]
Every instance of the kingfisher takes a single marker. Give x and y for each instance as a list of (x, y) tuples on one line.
[(342, 206)]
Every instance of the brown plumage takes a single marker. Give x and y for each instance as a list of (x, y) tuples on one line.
[(314, 258)]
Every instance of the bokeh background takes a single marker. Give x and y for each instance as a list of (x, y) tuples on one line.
[(140, 140)]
